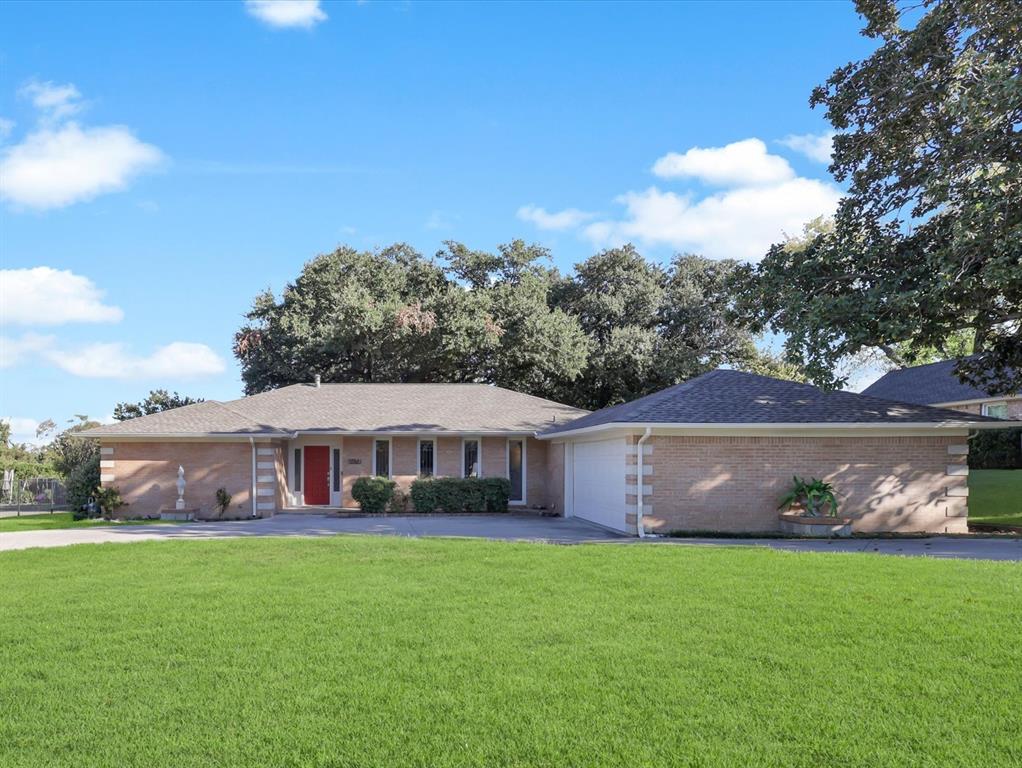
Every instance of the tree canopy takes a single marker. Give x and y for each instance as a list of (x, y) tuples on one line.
[(927, 243), (618, 328), (157, 401)]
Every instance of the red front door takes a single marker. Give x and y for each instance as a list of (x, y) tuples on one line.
[(317, 474)]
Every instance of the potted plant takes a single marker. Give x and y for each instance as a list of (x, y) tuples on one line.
[(810, 509)]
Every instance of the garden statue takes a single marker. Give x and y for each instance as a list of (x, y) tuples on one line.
[(180, 488)]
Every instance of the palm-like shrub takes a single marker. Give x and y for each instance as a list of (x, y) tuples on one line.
[(815, 497)]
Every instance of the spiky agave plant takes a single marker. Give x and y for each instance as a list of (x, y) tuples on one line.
[(815, 496)]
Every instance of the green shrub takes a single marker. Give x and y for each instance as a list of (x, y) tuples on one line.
[(457, 494), (996, 449), (223, 501), (497, 491), (373, 493), (109, 500), (398, 502), (82, 483)]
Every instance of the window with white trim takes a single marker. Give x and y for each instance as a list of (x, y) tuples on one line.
[(995, 410), (298, 470), (516, 469), (381, 458), (470, 458), (427, 457)]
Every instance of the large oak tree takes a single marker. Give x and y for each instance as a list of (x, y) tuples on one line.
[(927, 244)]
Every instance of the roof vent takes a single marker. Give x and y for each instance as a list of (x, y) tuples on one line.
[(317, 381)]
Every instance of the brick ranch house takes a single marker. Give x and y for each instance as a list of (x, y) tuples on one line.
[(936, 384), (714, 453)]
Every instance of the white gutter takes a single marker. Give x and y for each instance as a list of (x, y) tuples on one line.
[(766, 427), (255, 509), (639, 480)]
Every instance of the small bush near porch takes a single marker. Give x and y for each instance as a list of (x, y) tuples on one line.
[(461, 494), (395, 652)]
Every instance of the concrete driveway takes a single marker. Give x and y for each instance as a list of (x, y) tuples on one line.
[(504, 527), (953, 547), (508, 527)]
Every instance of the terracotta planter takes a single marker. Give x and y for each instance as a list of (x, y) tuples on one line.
[(797, 524)]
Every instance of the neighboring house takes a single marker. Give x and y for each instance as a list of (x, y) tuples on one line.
[(714, 453), (936, 384)]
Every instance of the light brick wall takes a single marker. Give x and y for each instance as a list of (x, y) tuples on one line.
[(447, 459), (900, 484), (405, 459), (494, 457), (361, 450), (536, 473), (146, 475), (555, 477)]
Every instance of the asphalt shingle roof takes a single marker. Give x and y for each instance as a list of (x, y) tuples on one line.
[(925, 384), (733, 397), (474, 408)]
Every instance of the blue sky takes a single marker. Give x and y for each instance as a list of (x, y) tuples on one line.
[(162, 163)]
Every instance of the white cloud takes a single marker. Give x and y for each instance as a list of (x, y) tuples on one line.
[(818, 148), (47, 296), (743, 163), (569, 218), (438, 220), (113, 360), (52, 168), (55, 101), (739, 223), (763, 200), (13, 351), (177, 360), (287, 13)]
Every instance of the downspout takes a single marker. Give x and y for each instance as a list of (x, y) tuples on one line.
[(639, 483), (251, 441)]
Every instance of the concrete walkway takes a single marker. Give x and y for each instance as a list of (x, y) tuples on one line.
[(508, 527), (504, 527)]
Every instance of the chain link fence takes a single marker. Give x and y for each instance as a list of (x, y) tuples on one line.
[(29, 495)]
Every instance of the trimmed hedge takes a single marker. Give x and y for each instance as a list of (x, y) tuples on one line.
[(461, 494), (996, 449), (373, 493)]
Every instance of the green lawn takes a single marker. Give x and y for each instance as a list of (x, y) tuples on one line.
[(995, 496), (46, 521), (352, 651)]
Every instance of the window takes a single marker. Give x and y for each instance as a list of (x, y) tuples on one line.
[(381, 458), (995, 410), (470, 464), (516, 470), (426, 451), (298, 469), (337, 470)]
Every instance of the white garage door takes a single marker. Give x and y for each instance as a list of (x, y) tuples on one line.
[(598, 482)]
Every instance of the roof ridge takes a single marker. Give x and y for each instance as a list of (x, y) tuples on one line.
[(537, 397)]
